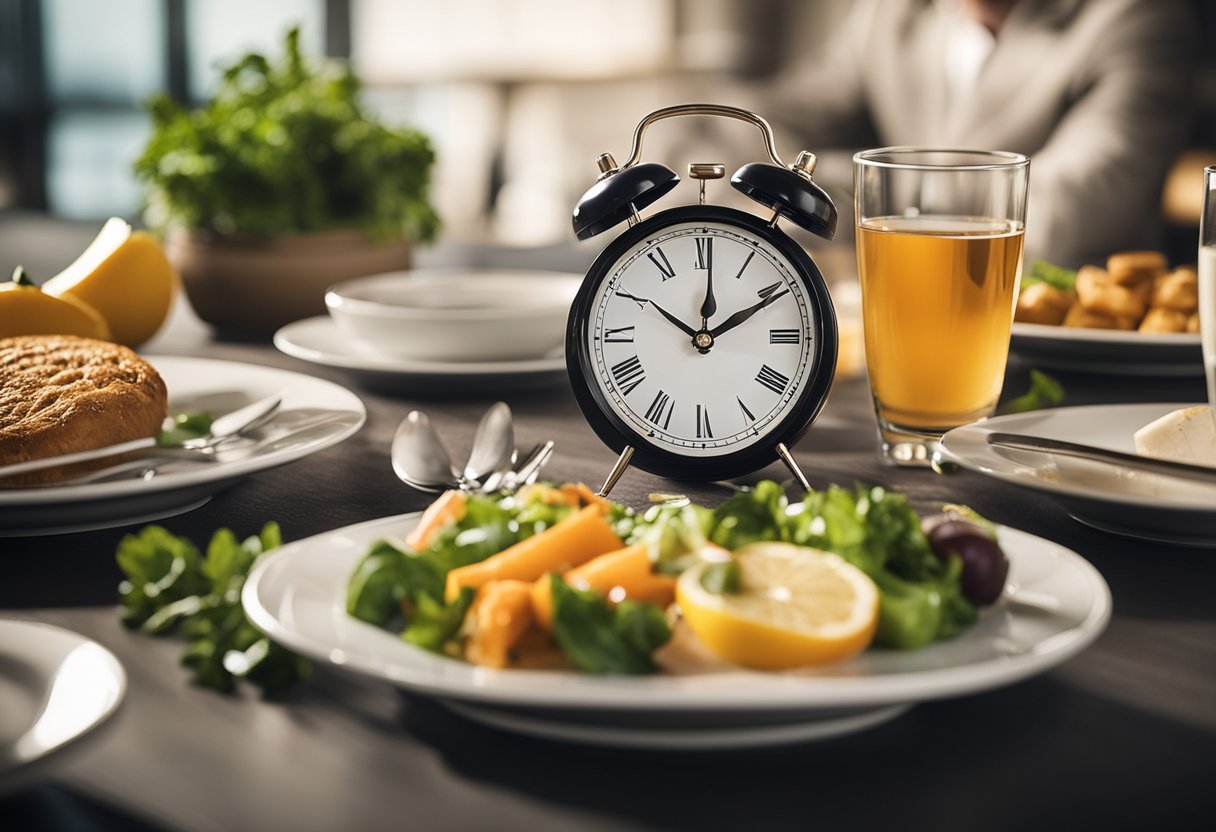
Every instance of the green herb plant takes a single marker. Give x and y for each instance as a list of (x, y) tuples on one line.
[(286, 148), (170, 586)]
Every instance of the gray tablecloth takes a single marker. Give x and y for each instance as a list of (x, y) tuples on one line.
[(1123, 736)]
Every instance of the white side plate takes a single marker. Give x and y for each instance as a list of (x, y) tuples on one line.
[(56, 687), (1108, 497)]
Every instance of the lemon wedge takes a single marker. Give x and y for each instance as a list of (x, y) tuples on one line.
[(125, 276), (795, 606), (27, 310)]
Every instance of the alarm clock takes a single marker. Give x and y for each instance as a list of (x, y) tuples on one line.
[(702, 342)]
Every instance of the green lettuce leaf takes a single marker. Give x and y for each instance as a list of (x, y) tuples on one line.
[(602, 639)]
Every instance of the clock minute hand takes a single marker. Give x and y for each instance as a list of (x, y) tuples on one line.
[(710, 305), (683, 327), (743, 314)]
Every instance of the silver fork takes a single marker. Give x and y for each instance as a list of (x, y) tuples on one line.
[(525, 472), (225, 429)]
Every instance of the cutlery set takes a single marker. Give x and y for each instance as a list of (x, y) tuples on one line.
[(421, 461)]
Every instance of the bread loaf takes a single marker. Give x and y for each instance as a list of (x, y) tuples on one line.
[(62, 393)]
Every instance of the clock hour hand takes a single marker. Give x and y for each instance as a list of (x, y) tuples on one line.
[(683, 327), (743, 314)]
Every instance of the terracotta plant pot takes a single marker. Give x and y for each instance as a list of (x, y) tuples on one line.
[(256, 285)]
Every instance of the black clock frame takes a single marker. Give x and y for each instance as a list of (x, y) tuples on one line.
[(617, 434)]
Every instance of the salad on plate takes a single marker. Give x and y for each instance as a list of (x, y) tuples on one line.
[(553, 576)]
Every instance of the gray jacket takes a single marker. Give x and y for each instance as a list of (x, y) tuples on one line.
[(1096, 92)]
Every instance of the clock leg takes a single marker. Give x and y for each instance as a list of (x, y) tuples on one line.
[(788, 458), (622, 462)]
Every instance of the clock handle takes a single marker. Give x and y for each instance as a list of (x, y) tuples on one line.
[(720, 110), (788, 458), (622, 463)]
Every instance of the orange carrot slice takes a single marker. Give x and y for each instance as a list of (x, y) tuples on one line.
[(447, 509), (573, 541), (623, 573), (500, 615)]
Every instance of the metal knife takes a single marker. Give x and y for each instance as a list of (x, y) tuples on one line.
[(77, 456), (224, 427), (1153, 465)]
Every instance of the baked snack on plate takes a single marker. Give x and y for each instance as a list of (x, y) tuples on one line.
[(62, 393)]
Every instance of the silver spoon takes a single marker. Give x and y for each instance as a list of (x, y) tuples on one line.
[(493, 448), (419, 458)]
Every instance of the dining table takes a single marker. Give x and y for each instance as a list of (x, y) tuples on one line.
[(1121, 736)]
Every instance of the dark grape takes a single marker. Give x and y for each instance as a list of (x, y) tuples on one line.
[(985, 566)]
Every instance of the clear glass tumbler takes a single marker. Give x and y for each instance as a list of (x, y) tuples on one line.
[(1207, 281), (939, 255)]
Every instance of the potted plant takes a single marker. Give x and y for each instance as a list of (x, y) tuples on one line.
[(280, 186)]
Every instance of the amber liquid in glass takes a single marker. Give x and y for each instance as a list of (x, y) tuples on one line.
[(938, 296)]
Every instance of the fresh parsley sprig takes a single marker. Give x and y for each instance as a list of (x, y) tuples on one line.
[(169, 585)]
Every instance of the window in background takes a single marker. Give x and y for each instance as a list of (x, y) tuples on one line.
[(103, 53), (102, 60)]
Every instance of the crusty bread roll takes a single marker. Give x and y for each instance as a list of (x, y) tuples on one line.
[(61, 393)]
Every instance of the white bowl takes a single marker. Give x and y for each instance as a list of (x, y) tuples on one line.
[(457, 315)]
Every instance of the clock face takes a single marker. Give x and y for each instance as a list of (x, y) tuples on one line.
[(701, 338)]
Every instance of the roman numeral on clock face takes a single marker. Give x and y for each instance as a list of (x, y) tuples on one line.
[(628, 374), (742, 268), (661, 409), (641, 302), (772, 379), (705, 254), (768, 290), (703, 429), (783, 336), (661, 262), (747, 414), (622, 335)]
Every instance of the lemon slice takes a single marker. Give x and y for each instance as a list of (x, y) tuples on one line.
[(125, 276), (26, 310), (796, 606)]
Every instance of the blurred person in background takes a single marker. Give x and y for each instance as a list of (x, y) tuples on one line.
[(1096, 92)]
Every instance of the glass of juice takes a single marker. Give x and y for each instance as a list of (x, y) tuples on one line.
[(939, 255), (1207, 281)]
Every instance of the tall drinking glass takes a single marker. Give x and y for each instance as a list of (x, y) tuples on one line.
[(939, 254), (1207, 281)]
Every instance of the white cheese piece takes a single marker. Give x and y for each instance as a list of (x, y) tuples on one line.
[(1186, 435)]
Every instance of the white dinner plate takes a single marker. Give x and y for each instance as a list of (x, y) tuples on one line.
[(1056, 604), (319, 340), (1134, 503), (56, 687), (1108, 350), (314, 414)]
